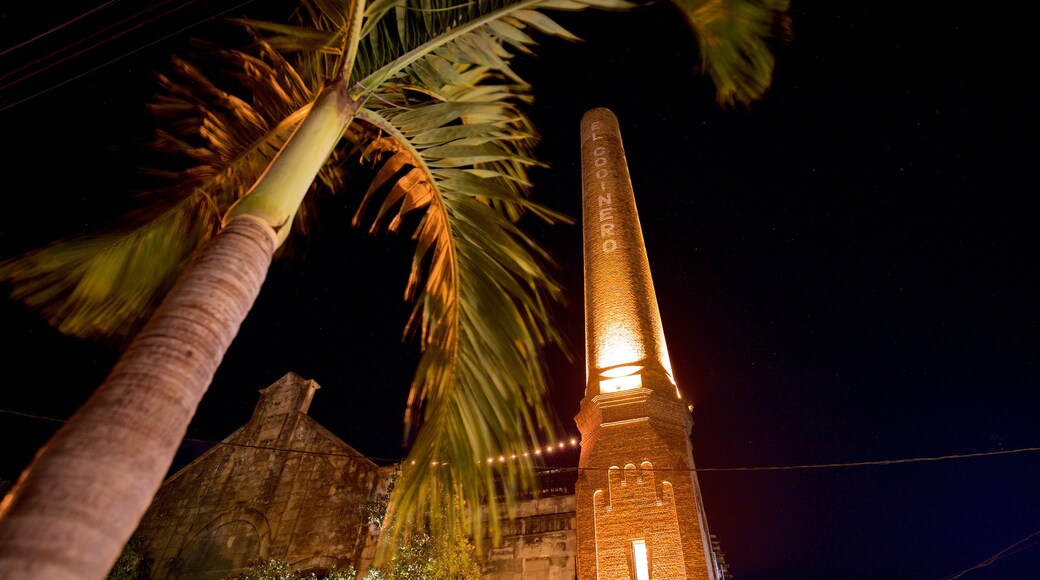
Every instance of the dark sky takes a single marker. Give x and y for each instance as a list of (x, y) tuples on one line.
[(846, 272)]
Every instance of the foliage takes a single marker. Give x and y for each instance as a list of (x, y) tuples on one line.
[(277, 570), (373, 511), (423, 555), (266, 570), (732, 37), (132, 563), (442, 130)]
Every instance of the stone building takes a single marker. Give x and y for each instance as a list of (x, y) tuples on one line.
[(283, 487), (250, 498), (634, 512)]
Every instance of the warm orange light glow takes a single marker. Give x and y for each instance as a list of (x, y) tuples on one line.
[(621, 371), (666, 363), (623, 333), (619, 344), (640, 559), (620, 384)]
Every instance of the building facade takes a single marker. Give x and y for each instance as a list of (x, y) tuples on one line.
[(283, 487), (255, 496), (638, 502)]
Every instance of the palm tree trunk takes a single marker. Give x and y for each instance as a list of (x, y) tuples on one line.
[(75, 507)]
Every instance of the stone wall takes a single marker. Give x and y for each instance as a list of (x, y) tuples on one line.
[(540, 544), (280, 487), (283, 487)]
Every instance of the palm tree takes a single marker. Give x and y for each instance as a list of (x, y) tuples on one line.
[(421, 90)]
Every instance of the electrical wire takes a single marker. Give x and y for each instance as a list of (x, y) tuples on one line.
[(505, 457), (94, 10), (1000, 554), (102, 31), (124, 55)]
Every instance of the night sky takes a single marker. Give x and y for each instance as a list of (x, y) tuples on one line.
[(846, 271)]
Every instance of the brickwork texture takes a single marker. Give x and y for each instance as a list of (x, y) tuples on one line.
[(636, 480), (622, 321)]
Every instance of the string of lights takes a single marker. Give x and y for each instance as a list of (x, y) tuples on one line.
[(572, 443)]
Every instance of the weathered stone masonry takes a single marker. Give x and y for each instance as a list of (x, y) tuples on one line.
[(247, 500)]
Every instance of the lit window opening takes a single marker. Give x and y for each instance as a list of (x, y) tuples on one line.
[(642, 564), (620, 384)]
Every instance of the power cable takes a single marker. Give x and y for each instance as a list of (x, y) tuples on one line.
[(504, 458), (1000, 554), (107, 39), (94, 10), (873, 463), (124, 55)]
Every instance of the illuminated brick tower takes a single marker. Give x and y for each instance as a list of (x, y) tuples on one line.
[(638, 502)]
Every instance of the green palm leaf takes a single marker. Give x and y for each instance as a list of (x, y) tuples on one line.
[(101, 286), (105, 286), (457, 148), (732, 36), (443, 123)]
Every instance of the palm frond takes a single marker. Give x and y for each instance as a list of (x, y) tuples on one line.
[(105, 286), (456, 148), (442, 114), (225, 140), (217, 144), (460, 21), (732, 36)]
